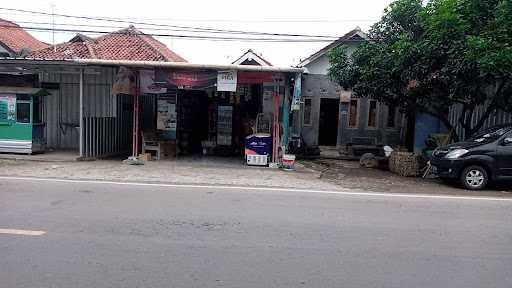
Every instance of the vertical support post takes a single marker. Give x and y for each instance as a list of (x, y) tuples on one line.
[(81, 113), (135, 142), (276, 126), (285, 118)]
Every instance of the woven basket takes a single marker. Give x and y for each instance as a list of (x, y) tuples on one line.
[(406, 164)]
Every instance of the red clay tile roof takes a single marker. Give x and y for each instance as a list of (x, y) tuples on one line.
[(14, 38), (125, 44)]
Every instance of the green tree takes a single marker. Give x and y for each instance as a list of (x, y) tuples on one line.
[(430, 57)]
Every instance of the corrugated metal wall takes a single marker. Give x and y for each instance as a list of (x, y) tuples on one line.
[(497, 117), (62, 107), (104, 136)]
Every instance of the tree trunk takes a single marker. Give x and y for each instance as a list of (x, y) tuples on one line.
[(410, 129), (453, 131), (469, 130)]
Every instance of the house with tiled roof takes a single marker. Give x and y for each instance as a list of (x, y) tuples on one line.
[(15, 41), (251, 58), (331, 116), (125, 44), (71, 86)]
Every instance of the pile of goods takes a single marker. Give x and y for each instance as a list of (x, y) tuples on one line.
[(406, 164)]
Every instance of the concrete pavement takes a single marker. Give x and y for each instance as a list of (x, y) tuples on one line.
[(112, 235)]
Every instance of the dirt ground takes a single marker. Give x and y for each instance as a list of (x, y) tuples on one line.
[(189, 170), (350, 175)]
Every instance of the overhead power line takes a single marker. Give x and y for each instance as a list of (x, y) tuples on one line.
[(111, 26), (204, 29), (215, 20), (193, 37), (119, 27)]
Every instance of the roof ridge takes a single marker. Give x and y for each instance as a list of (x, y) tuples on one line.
[(10, 22), (129, 43), (90, 48), (130, 28), (14, 38), (143, 37), (148, 39), (250, 51), (242, 56)]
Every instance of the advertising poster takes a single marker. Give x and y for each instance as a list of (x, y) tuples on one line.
[(297, 88), (7, 108), (224, 125), (166, 118)]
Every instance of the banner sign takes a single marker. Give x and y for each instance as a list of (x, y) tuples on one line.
[(149, 84), (7, 108), (226, 81), (187, 79), (245, 77), (124, 82), (297, 93)]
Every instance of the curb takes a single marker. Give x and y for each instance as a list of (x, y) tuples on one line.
[(142, 182), (36, 159)]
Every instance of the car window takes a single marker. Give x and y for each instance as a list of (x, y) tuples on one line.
[(490, 135), (509, 135)]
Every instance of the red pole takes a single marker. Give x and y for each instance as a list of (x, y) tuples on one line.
[(136, 92)]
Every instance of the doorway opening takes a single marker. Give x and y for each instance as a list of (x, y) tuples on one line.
[(192, 120), (328, 125), (216, 123)]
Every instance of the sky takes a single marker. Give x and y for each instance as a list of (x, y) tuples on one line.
[(320, 17)]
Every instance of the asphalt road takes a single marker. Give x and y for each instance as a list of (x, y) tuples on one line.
[(111, 235)]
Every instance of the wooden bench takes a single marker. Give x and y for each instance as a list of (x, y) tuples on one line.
[(150, 142)]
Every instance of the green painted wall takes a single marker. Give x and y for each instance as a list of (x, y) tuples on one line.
[(16, 131), (10, 130)]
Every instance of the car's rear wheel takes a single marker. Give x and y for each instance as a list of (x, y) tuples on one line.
[(474, 178)]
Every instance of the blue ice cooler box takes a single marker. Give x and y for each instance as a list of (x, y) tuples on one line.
[(258, 149)]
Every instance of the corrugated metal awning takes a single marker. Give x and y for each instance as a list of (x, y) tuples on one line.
[(23, 90), (39, 64)]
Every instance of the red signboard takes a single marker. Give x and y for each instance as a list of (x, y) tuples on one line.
[(245, 77), (192, 79)]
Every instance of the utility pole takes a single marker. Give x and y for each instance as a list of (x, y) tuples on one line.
[(53, 27)]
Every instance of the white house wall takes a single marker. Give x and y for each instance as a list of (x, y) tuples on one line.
[(321, 64)]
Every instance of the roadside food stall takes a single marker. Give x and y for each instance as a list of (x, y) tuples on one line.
[(21, 120)]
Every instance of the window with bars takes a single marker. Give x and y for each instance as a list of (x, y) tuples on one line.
[(372, 114), (22, 112), (353, 113), (391, 120), (308, 103)]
